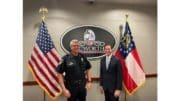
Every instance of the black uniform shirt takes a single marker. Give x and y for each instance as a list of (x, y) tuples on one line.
[(74, 67)]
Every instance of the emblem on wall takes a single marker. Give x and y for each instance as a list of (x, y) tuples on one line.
[(92, 40)]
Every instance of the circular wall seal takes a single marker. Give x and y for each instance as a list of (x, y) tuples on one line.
[(91, 38)]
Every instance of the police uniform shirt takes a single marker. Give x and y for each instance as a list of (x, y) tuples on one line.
[(74, 67)]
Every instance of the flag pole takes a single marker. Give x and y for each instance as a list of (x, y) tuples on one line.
[(127, 15), (125, 95), (43, 11), (44, 94)]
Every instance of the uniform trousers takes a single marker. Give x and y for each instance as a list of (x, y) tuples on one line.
[(77, 94)]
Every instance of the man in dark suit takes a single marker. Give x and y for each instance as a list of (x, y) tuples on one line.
[(110, 75)]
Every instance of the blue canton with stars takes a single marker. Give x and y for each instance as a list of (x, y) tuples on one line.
[(43, 39), (125, 50)]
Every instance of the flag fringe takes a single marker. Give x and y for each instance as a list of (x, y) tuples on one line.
[(41, 86), (134, 90)]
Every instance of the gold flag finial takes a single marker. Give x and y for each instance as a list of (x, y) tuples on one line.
[(127, 16), (43, 11)]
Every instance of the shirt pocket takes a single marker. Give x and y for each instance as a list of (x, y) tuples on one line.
[(70, 65)]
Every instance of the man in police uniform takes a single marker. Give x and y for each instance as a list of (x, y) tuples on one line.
[(76, 68)]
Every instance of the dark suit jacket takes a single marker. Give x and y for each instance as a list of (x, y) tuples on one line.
[(111, 79)]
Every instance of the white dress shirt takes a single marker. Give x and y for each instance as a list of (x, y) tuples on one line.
[(108, 58)]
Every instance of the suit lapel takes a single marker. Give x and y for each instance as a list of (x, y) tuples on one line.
[(104, 63)]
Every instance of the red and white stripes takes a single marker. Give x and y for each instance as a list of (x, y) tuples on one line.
[(133, 73), (43, 68)]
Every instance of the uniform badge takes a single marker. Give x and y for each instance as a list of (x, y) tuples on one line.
[(70, 63)]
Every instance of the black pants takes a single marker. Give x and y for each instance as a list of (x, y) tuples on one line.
[(77, 94), (109, 96)]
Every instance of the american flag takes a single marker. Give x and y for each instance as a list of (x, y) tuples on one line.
[(43, 61), (133, 73)]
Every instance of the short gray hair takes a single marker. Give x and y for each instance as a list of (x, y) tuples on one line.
[(73, 41)]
